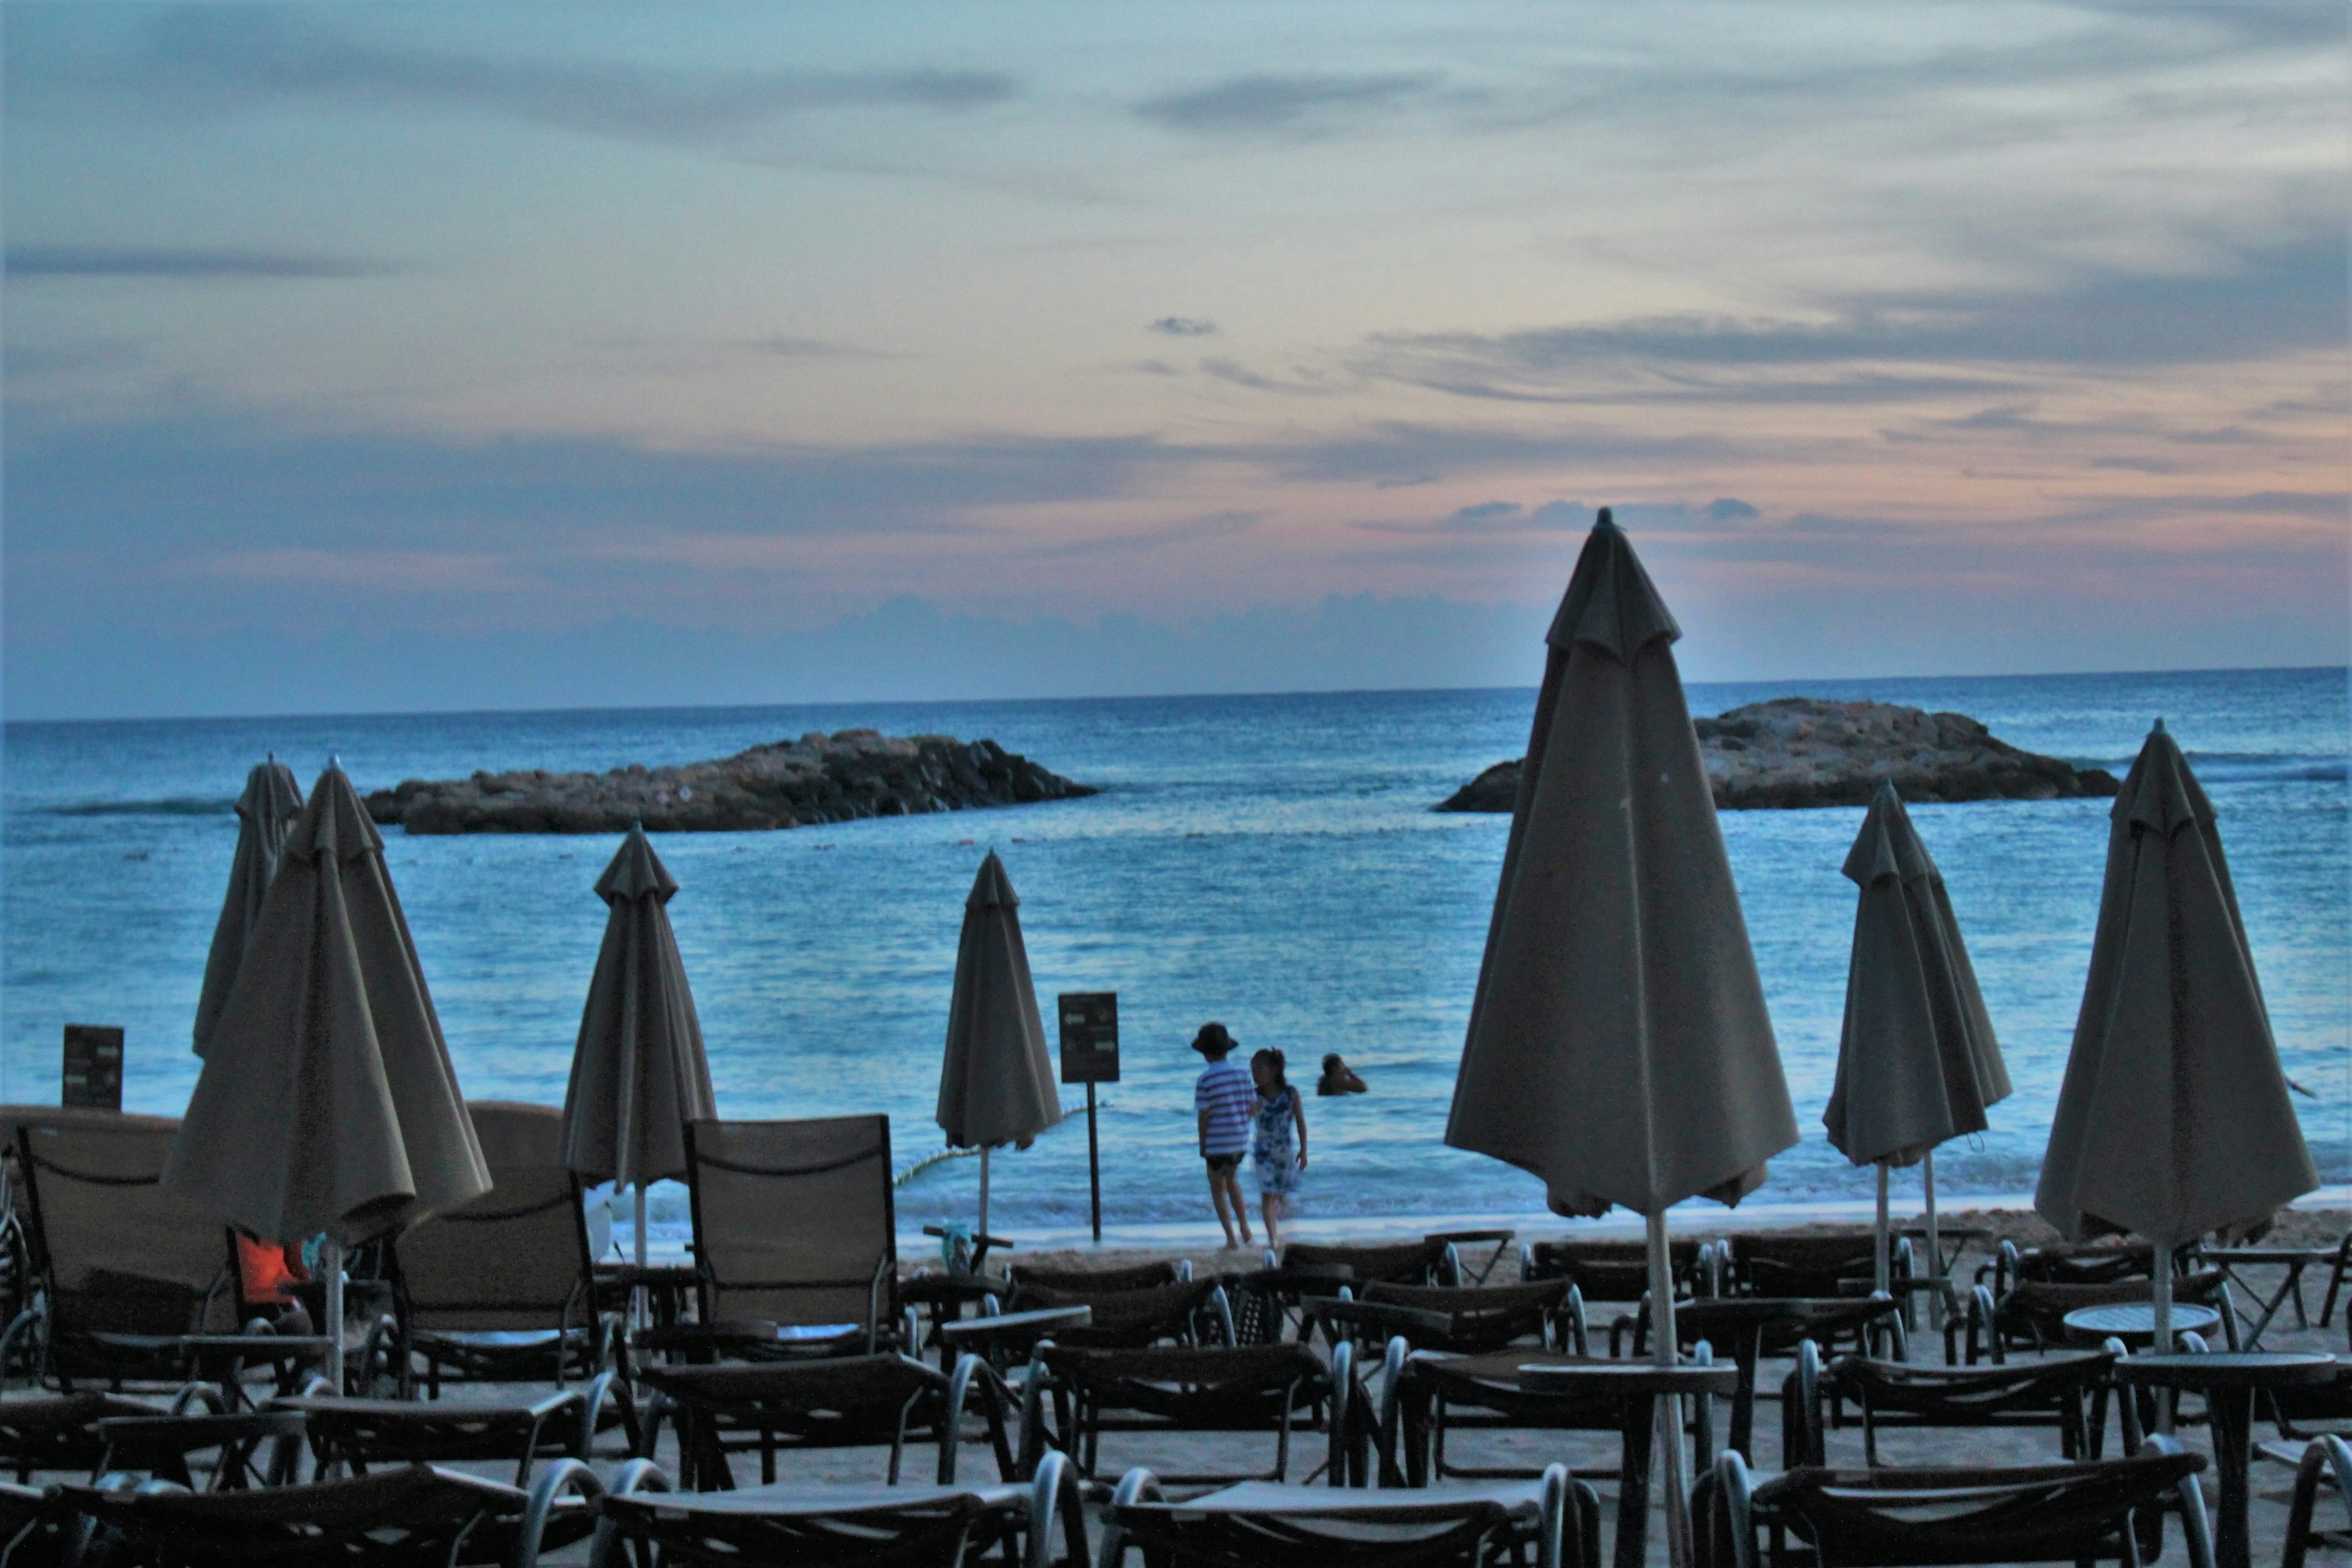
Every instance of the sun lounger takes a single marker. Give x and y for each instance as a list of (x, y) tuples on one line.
[(1425, 1262), (416, 1514), (843, 1402), (1135, 1277), (248, 1447), (35, 1530), (60, 1433), (1620, 1270), (1190, 1312), (359, 1435), (1550, 1523), (1897, 1518), (2067, 1392), (820, 1526), (1467, 1321), (795, 1236), (2326, 1461), (129, 1269), (1768, 1263), (499, 1291), (1074, 1395), (2032, 1316)]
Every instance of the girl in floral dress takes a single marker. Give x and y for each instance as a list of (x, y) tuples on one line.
[(1274, 1161)]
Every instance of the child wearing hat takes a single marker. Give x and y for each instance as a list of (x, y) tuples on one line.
[(1225, 1099)]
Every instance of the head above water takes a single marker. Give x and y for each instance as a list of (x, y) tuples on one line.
[(1266, 1066), (1214, 1043)]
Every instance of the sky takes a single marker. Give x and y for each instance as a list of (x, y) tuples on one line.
[(409, 357)]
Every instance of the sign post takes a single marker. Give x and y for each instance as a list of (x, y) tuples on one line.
[(1091, 1056)]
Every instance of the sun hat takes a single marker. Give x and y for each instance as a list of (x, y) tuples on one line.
[(1213, 1040)]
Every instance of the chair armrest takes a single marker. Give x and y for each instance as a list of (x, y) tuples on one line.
[(1053, 1499), (564, 1476), (2326, 1454)]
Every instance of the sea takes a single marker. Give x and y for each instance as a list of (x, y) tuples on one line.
[(1271, 862)]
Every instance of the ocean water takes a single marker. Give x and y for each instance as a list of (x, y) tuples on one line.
[(1268, 861)]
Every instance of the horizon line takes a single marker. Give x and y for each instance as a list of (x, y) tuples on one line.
[(10, 722)]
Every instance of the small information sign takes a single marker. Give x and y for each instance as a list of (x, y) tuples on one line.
[(93, 1067), (1089, 1036)]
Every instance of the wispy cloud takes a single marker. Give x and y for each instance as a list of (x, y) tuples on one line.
[(1304, 105), (1183, 327), (240, 57), (188, 265)]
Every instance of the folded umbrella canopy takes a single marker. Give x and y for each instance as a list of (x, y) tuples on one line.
[(327, 1103), (265, 814), (996, 1079), (1917, 1062), (1618, 1046), (2174, 1119), (638, 1073)]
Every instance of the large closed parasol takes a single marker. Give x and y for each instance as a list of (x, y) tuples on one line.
[(1618, 1046), (327, 1103), (265, 814), (1917, 1062), (2174, 1120), (996, 1078), (638, 1073)]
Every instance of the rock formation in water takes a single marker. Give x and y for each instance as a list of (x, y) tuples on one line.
[(817, 778), (1802, 752)]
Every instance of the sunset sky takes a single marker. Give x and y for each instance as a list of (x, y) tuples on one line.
[(420, 356)]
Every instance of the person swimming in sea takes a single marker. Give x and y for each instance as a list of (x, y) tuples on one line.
[(1337, 1078)]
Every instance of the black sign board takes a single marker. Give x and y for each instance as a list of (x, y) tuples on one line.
[(1089, 1035), (93, 1067)]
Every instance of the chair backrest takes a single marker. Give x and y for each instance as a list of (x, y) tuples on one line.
[(1127, 1319), (515, 1257), (121, 1253), (795, 1221), (1610, 1271), (1402, 1263), (1096, 1281), (1771, 1263)]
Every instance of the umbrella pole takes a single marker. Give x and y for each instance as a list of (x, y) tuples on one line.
[(1881, 1269), (330, 1258), (2161, 1292), (1935, 1246), (1670, 1409), (983, 1191), (641, 1225)]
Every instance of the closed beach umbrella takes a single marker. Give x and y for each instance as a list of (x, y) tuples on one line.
[(1917, 1062), (2174, 1120), (996, 1079), (326, 1103), (1618, 1046), (265, 814), (638, 1074)]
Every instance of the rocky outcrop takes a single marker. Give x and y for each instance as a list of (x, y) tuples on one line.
[(1801, 752), (792, 784)]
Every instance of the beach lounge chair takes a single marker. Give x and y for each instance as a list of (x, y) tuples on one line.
[(356, 1436), (795, 1239), (2068, 1263), (2067, 1392), (415, 1514), (842, 1402), (1469, 1321), (1429, 1261), (1428, 1398), (1134, 1276), (35, 1530), (2032, 1316), (1188, 1312), (1898, 1518), (2326, 1461), (128, 1269), (1074, 1395), (1618, 1270), (1772, 1263), (60, 1433), (499, 1291), (831, 1526), (1552, 1521), (236, 1448)]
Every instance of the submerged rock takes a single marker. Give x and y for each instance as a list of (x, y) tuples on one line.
[(1800, 751), (790, 784)]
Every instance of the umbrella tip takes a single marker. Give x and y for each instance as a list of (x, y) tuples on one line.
[(2159, 724), (335, 760), (1605, 516)]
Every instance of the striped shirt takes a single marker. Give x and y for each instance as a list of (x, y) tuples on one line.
[(1229, 1095)]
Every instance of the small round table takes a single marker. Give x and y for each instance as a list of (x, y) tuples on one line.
[(2228, 1381), (2134, 1322)]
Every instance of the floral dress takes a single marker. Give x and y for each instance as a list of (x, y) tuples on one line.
[(1273, 1158)]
